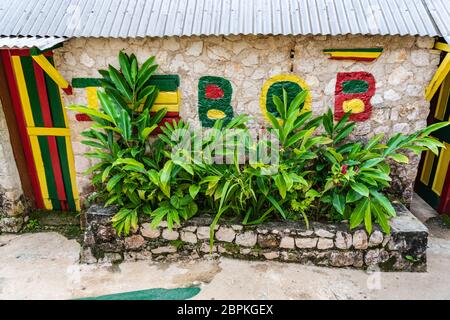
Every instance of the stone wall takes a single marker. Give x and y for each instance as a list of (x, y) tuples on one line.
[(323, 244), (401, 73), (11, 202)]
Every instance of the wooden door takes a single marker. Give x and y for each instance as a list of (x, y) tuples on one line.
[(433, 180), (44, 131)]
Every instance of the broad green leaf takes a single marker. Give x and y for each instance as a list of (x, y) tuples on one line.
[(277, 206), (371, 163), (357, 216), (91, 112), (401, 158), (146, 132), (125, 67), (106, 172), (380, 217), (360, 188), (344, 132), (263, 187), (433, 127), (352, 196), (368, 219), (384, 202), (114, 180), (281, 185), (339, 203), (165, 176), (120, 82), (128, 161), (193, 190)]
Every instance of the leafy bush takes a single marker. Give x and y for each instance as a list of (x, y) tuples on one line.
[(319, 174)]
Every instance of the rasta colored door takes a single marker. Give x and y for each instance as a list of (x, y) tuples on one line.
[(433, 179), (43, 130)]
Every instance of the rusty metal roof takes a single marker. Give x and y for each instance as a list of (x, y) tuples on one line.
[(139, 18)]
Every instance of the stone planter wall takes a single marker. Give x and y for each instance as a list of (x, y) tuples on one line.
[(323, 244)]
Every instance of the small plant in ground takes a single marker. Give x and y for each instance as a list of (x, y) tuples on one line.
[(32, 225), (446, 219)]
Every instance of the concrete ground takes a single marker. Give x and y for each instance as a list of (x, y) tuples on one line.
[(45, 266)]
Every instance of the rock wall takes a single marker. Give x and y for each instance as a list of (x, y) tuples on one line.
[(11, 205), (401, 74), (323, 244)]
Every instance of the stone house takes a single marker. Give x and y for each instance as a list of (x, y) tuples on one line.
[(376, 60)]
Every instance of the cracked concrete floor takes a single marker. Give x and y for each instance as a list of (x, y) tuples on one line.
[(45, 266)]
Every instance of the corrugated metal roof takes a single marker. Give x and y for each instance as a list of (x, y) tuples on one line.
[(139, 18), (440, 11), (29, 42)]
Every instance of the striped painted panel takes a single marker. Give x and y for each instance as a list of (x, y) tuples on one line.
[(356, 54), (48, 133), (169, 96)]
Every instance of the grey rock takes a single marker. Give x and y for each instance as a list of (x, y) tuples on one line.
[(306, 243), (375, 256), (359, 259), (268, 241), (287, 243), (205, 248), (203, 233), (189, 237), (164, 249), (306, 233), (322, 233), (325, 243), (343, 240), (237, 227), (170, 234), (246, 239), (148, 232), (376, 238), (106, 233), (271, 255), (134, 242), (360, 240), (190, 228), (11, 224), (262, 231), (225, 234), (342, 259)]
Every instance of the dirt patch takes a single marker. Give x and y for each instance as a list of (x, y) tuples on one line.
[(65, 223), (439, 227), (198, 273)]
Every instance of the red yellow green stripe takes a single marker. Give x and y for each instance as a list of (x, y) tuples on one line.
[(53, 73), (15, 97), (359, 54), (48, 149), (43, 98)]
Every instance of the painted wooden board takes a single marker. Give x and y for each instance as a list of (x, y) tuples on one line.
[(356, 54), (45, 125)]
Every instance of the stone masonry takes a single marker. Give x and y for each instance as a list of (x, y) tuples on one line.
[(287, 241), (11, 200), (401, 73)]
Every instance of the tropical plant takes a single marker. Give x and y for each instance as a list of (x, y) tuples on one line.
[(118, 137), (356, 173)]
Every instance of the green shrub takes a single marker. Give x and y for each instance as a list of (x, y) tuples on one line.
[(320, 174)]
